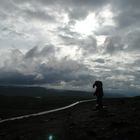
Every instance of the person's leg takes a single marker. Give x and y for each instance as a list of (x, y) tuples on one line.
[(99, 102)]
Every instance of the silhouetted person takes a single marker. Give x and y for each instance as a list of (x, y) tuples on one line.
[(98, 93)]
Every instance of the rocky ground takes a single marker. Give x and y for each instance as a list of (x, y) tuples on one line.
[(119, 120)]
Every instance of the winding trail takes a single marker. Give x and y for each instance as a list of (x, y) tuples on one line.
[(46, 112)]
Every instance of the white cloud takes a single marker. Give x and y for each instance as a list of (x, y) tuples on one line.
[(86, 41)]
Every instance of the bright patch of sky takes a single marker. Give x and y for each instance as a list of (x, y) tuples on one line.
[(87, 26)]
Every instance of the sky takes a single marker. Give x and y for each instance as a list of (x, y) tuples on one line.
[(69, 44)]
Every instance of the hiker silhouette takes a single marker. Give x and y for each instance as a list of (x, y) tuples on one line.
[(98, 93)]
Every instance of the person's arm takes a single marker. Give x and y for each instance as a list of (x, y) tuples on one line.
[(94, 85)]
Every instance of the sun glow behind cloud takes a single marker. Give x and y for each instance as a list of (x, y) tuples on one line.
[(95, 22), (87, 26)]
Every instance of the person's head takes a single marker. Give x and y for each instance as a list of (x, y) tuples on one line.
[(98, 84)]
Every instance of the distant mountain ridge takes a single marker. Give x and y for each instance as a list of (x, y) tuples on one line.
[(41, 91)]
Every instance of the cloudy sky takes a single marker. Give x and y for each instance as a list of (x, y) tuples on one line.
[(70, 43)]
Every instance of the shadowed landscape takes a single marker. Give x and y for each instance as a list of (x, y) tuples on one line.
[(118, 120), (17, 101)]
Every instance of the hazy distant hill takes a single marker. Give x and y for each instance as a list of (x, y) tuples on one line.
[(40, 91)]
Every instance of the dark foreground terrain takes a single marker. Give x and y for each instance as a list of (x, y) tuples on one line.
[(119, 120), (17, 101)]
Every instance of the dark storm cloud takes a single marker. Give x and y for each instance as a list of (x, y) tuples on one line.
[(100, 60), (66, 70), (77, 14), (47, 51), (32, 53), (127, 12), (28, 10), (7, 7), (67, 36), (68, 40), (10, 31), (15, 78), (125, 4), (76, 9), (79, 3), (37, 67), (133, 40), (137, 62), (127, 43), (113, 44), (87, 44), (38, 14), (128, 18), (105, 30), (80, 9)]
